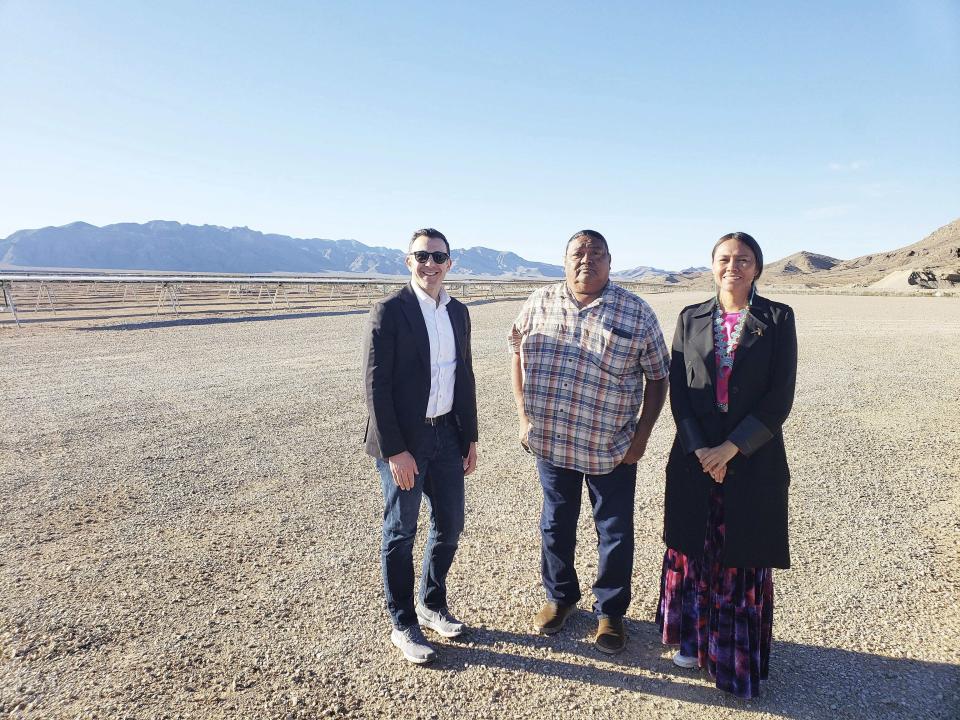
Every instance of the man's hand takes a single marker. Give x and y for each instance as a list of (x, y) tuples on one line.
[(516, 377), (636, 450), (524, 432), (654, 395), (404, 469), (470, 461)]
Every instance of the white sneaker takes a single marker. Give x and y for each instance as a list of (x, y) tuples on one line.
[(413, 644), (685, 661), (441, 622)]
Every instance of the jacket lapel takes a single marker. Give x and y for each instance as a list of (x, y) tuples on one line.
[(701, 337), (459, 331), (754, 328), (411, 308)]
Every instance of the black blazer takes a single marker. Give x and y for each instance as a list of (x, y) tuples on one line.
[(761, 391), (396, 370)]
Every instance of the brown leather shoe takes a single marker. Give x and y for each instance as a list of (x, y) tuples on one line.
[(551, 618), (611, 636)]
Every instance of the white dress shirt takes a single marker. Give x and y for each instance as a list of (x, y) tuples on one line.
[(443, 351)]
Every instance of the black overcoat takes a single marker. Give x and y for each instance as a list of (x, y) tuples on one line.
[(396, 371), (761, 392)]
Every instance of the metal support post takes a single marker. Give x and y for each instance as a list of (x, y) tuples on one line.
[(8, 300)]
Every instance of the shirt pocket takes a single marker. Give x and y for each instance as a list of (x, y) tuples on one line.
[(614, 350), (542, 350)]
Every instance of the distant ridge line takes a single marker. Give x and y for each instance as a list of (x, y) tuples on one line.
[(171, 246)]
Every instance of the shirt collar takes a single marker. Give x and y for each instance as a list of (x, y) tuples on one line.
[(608, 288), (426, 299)]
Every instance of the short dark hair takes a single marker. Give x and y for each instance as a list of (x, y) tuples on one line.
[(746, 240), (592, 235), (430, 234)]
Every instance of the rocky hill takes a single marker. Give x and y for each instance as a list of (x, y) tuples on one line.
[(933, 262), (801, 263), (938, 252)]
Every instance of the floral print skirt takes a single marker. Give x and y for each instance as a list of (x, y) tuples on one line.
[(720, 615)]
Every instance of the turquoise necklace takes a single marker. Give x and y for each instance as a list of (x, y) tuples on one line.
[(726, 347)]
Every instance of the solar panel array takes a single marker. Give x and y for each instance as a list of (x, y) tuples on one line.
[(39, 297)]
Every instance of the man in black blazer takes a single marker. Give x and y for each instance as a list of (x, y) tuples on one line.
[(422, 431)]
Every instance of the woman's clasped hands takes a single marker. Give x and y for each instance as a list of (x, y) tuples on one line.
[(714, 460)]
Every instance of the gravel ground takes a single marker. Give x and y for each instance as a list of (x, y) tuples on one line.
[(191, 529)]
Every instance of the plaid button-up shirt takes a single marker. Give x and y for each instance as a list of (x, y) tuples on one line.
[(583, 371)]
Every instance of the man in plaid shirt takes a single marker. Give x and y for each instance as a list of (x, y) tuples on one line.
[(581, 351)]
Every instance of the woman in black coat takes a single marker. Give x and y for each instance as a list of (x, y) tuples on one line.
[(732, 377)]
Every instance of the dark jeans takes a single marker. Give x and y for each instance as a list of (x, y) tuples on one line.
[(611, 497), (440, 480)]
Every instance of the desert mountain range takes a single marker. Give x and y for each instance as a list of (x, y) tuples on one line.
[(171, 246)]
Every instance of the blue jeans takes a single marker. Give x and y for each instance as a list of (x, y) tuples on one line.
[(440, 480), (611, 497)]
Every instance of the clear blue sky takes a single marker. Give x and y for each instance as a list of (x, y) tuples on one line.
[(831, 127)]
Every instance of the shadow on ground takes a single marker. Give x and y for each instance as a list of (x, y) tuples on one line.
[(186, 322), (806, 682)]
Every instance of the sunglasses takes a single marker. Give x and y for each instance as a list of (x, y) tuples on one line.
[(422, 256)]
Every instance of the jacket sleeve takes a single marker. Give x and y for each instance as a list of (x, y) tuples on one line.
[(379, 346), (770, 413), (688, 427)]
